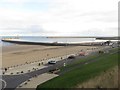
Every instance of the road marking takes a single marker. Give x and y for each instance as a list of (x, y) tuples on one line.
[(5, 84)]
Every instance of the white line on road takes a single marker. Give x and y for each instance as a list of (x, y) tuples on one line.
[(5, 84)]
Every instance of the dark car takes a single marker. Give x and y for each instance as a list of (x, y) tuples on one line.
[(55, 71), (71, 57)]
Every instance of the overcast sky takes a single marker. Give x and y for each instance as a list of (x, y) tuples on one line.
[(59, 17)]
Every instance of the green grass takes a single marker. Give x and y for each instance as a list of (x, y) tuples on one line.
[(81, 74), (86, 58)]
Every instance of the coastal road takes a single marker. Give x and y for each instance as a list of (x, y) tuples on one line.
[(12, 81)]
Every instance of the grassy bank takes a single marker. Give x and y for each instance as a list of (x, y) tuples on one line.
[(80, 74), (107, 79)]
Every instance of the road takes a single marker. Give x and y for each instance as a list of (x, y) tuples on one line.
[(12, 81)]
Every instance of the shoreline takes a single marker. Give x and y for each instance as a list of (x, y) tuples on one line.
[(17, 41)]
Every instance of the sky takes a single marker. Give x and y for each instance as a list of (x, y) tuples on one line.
[(59, 17)]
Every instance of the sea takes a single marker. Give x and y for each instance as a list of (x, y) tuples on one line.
[(46, 39)]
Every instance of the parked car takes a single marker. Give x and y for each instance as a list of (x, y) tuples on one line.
[(82, 54), (71, 57), (52, 62), (100, 52), (55, 71)]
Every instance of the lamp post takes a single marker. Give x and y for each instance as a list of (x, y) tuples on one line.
[(66, 56)]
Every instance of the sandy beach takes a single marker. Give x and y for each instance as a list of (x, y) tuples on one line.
[(21, 54)]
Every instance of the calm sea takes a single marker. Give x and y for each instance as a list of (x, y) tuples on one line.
[(45, 39)]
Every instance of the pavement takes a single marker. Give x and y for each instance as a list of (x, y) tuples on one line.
[(33, 82), (32, 66)]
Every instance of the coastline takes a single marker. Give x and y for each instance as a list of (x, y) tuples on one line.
[(25, 42)]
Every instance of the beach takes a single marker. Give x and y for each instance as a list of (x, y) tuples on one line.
[(21, 54)]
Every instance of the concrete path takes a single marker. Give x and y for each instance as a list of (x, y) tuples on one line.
[(33, 82), (32, 67)]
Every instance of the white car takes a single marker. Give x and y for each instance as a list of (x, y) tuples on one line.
[(52, 62)]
